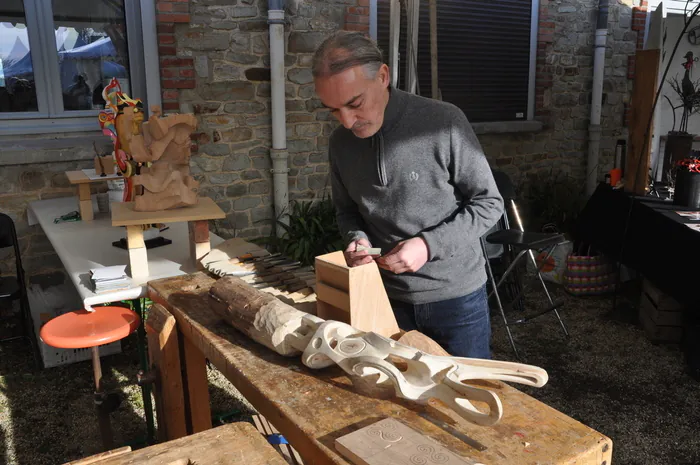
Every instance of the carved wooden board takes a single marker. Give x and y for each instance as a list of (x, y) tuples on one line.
[(391, 442)]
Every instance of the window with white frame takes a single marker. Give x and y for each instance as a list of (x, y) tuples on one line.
[(56, 56), (486, 54)]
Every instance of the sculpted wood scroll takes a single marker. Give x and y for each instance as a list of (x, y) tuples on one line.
[(368, 358)]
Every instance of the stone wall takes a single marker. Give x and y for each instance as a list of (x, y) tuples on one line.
[(564, 82), (216, 63)]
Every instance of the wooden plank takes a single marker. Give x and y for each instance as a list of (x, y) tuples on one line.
[(123, 213), (266, 430), (638, 154), (296, 458), (197, 388), (234, 443), (99, 458), (312, 408), (390, 442), (77, 177), (164, 355)]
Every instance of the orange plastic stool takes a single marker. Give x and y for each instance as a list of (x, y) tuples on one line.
[(82, 330)]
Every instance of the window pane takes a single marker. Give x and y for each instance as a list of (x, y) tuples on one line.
[(91, 46), (17, 86)]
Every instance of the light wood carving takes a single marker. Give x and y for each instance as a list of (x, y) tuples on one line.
[(162, 147), (368, 357)]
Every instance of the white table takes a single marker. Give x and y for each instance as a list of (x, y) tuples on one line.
[(82, 246)]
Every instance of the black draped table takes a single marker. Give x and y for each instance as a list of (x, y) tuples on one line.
[(658, 242)]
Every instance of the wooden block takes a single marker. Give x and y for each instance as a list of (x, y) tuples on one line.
[(657, 333), (659, 317), (391, 442), (86, 213), (138, 262), (134, 237), (199, 231), (164, 356), (358, 291), (641, 106), (197, 251), (661, 300), (334, 297), (84, 191)]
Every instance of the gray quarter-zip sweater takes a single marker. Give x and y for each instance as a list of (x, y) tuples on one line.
[(423, 174)]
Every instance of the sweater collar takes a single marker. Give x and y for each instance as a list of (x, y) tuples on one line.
[(394, 109)]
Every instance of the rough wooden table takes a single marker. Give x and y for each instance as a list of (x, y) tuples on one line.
[(313, 408), (236, 443)]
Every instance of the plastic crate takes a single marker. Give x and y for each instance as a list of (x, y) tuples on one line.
[(49, 303)]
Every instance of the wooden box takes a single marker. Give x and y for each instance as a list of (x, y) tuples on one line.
[(660, 315), (355, 296)]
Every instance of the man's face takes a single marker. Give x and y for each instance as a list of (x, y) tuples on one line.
[(356, 101)]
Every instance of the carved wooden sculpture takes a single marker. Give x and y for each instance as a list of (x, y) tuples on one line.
[(163, 149), (153, 156), (367, 357)]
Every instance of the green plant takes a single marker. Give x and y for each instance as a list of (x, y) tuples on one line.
[(310, 230), (552, 199)]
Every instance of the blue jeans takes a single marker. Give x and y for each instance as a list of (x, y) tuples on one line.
[(462, 326)]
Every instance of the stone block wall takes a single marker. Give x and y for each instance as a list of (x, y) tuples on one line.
[(215, 63), (563, 90)]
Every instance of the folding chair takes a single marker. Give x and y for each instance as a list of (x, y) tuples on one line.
[(14, 288), (517, 243)]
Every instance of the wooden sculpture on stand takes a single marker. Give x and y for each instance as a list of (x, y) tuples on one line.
[(163, 150), (153, 156)]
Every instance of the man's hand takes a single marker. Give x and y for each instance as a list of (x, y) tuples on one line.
[(409, 255), (355, 258)]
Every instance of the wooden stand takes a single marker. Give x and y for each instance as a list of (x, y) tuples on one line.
[(198, 216), (82, 182), (355, 296)]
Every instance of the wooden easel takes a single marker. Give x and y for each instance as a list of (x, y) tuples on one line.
[(355, 296)]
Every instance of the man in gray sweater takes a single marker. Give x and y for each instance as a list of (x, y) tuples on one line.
[(409, 176)]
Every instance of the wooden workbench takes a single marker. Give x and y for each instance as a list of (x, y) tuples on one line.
[(313, 408), (236, 443)]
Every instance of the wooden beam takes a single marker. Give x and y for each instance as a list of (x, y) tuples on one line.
[(641, 107), (164, 355)]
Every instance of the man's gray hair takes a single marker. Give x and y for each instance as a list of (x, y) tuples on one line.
[(344, 50)]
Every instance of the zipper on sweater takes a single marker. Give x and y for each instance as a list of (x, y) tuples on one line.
[(380, 159)]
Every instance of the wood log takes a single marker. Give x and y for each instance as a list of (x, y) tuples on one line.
[(261, 316)]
